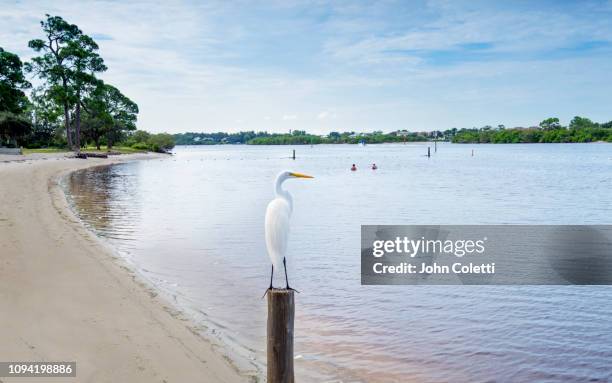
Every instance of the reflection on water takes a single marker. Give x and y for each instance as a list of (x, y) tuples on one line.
[(193, 225), (105, 200)]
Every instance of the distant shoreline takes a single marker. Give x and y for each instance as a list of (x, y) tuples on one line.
[(399, 143), (548, 131)]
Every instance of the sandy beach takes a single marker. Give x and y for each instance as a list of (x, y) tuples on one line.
[(66, 297)]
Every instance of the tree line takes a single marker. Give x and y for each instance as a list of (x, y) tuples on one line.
[(73, 107), (550, 130), (296, 137)]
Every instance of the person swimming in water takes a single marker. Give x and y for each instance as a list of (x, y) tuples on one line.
[(353, 168), (374, 167)]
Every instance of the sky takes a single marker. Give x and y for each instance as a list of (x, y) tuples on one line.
[(321, 66)]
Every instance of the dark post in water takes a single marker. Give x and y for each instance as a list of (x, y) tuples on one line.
[(428, 151), (293, 154), (281, 313)]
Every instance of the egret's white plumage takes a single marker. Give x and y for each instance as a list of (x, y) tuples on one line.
[(278, 218)]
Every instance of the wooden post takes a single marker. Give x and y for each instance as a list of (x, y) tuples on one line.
[(428, 151), (293, 154), (472, 152), (436, 146), (281, 312)]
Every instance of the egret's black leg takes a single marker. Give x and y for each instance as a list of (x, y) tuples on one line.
[(287, 279), (271, 278), (285, 265)]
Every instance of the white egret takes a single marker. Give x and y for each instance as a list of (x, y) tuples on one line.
[(278, 215)]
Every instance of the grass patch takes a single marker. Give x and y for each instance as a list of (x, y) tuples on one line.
[(120, 149), (44, 150), (90, 149)]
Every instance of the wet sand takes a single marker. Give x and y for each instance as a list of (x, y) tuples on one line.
[(65, 296)]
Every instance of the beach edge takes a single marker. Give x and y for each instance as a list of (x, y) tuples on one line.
[(150, 340)]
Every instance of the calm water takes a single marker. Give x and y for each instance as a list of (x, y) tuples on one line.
[(192, 224)]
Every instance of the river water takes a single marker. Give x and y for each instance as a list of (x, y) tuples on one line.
[(192, 225)]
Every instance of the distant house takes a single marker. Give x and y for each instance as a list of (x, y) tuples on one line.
[(402, 133)]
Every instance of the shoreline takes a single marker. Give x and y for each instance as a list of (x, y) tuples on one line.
[(96, 310), (231, 350)]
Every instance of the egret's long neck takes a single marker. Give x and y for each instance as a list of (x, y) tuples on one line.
[(280, 192)]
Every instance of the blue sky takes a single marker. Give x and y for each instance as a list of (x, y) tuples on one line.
[(362, 66)]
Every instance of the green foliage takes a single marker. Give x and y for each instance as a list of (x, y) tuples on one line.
[(14, 123), (140, 146), (335, 138), (139, 136), (550, 131), (582, 123), (297, 137), (138, 140), (12, 83), (287, 139), (191, 138), (108, 114), (161, 142), (46, 121), (550, 124)]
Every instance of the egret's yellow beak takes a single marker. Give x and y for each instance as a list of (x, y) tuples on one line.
[(300, 175)]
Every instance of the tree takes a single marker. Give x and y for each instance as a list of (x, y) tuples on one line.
[(108, 113), (161, 142), (52, 65), (140, 136), (334, 136), (12, 84), (582, 123), (46, 119), (550, 124), (96, 121), (68, 63), (86, 62)]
